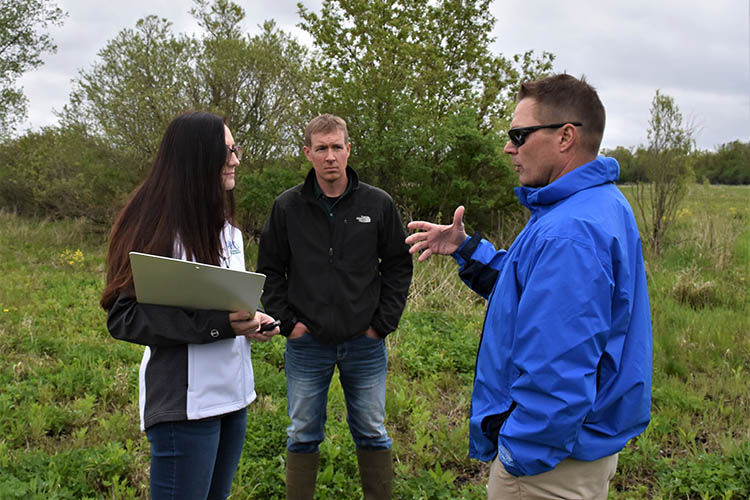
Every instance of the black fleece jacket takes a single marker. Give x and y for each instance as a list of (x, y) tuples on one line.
[(337, 279)]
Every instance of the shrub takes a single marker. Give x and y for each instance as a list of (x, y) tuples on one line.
[(690, 289), (64, 173), (710, 476)]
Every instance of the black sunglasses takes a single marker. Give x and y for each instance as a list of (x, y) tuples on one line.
[(518, 135)]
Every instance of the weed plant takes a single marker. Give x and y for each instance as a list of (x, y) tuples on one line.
[(69, 397)]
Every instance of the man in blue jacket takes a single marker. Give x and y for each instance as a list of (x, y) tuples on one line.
[(563, 372)]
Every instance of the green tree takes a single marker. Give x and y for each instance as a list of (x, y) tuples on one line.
[(422, 95), (63, 172), (147, 75), (667, 163), (729, 164), (139, 84), (258, 82), (22, 43), (630, 168)]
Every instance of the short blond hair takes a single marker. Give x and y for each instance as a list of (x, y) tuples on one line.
[(326, 124)]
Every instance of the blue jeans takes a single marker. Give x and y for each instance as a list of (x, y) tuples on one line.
[(196, 459), (309, 366)]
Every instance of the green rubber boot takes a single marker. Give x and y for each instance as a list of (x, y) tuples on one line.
[(376, 473), (301, 473)]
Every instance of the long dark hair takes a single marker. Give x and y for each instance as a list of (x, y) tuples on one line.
[(182, 198)]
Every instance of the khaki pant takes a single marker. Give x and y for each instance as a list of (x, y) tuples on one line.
[(570, 480)]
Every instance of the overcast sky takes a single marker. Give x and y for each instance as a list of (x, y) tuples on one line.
[(697, 52)]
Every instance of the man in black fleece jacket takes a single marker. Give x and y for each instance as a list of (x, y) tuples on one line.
[(338, 274)]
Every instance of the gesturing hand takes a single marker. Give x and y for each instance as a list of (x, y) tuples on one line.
[(437, 239)]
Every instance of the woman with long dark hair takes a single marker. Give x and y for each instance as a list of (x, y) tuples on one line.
[(196, 376)]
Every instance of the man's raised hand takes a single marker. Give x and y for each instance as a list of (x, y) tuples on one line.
[(437, 239)]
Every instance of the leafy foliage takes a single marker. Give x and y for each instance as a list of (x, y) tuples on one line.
[(631, 169), (711, 476), (730, 164), (147, 75), (64, 172), (422, 96), (257, 190), (667, 165), (138, 86), (21, 47), (144, 77)]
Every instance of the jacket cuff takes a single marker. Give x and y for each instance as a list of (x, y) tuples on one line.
[(288, 326), (222, 327), (468, 247), (377, 326)]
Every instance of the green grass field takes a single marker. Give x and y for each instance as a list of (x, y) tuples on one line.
[(68, 391)]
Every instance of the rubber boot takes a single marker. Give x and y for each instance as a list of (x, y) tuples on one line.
[(301, 473), (376, 473)]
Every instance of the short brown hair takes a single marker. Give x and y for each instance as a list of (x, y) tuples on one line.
[(325, 124), (564, 98)]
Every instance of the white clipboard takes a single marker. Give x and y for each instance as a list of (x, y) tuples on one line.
[(174, 282)]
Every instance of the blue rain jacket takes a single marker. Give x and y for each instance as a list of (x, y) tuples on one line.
[(564, 364)]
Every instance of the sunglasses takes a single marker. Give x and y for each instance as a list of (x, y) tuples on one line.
[(518, 135), (236, 150)]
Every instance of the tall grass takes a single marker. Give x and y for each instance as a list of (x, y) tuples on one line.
[(698, 442), (68, 397)]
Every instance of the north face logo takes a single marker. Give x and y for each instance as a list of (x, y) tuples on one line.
[(364, 219)]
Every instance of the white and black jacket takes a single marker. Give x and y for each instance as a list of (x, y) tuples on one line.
[(194, 366)]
